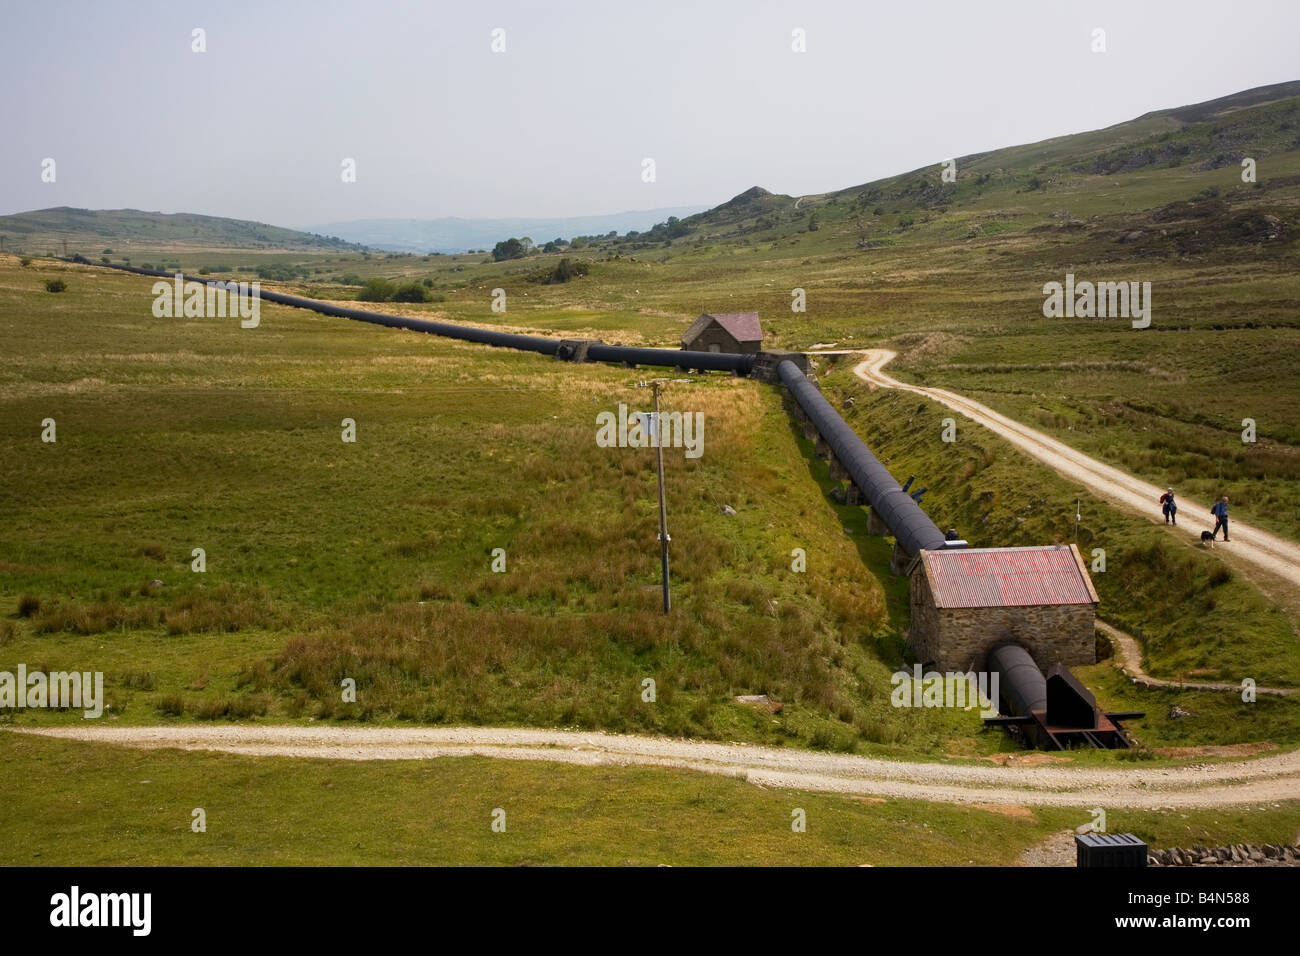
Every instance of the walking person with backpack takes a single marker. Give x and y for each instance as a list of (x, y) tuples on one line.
[(1169, 506), (1220, 512)]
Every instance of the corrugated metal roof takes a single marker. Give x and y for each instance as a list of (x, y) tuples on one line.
[(742, 326), (1007, 577)]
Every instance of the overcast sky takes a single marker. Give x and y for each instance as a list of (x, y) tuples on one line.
[(559, 124)]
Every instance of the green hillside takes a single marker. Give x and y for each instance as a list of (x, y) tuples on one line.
[(1109, 173), (45, 230)]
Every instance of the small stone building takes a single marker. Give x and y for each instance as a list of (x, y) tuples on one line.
[(968, 600), (736, 332)]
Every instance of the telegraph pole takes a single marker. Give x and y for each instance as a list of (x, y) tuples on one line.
[(663, 507)]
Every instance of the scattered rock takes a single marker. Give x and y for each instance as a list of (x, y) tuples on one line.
[(728, 510), (1236, 854), (761, 701), (1177, 713)]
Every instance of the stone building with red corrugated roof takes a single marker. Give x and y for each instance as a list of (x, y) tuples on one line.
[(735, 332), (968, 600)]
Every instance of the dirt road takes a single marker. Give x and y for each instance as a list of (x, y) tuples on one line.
[(1250, 545), (1129, 660), (1022, 781)]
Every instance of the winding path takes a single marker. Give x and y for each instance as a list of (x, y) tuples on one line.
[(1128, 658), (1249, 544), (1263, 780)]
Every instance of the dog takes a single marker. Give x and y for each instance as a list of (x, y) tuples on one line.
[(1207, 537)]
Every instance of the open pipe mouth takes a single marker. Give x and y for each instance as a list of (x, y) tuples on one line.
[(1055, 710), (671, 358)]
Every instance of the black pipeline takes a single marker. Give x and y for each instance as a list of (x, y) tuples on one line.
[(671, 358), (910, 526)]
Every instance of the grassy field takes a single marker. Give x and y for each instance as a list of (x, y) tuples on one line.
[(372, 560), (133, 807)]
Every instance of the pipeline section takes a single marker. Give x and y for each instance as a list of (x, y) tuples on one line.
[(910, 526), (671, 358)]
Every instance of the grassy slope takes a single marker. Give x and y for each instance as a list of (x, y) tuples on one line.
[(320, 553), (328, 560)]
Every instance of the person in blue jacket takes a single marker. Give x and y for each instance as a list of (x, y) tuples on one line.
[(1169, 506), (1220, 512)]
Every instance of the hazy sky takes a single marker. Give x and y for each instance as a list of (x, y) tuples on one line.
[(557, 125)]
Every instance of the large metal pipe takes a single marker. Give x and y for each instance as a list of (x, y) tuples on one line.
[(911, 527), (672, 358), (1021, 683)]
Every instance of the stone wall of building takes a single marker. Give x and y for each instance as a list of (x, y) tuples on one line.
[(923, 635), (715, 335), (960, 638)]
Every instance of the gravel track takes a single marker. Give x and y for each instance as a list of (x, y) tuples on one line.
[(1249, 544), (1266, 779)]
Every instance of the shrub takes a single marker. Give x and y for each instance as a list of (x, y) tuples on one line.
[(55, 285), (411, 292), (25, 261), (28, 605), (104, 259), (565, 270), (428, 283), (377, 290), (280, 272), (509, 249)]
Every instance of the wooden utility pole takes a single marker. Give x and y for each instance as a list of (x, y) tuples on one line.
[(663, 507)]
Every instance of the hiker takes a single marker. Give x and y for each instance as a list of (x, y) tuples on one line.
[(1169, 507), (1220, 512)]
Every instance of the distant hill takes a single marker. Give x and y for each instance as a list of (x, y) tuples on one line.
[(1052, 184), (31, 231), (451, 234)]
